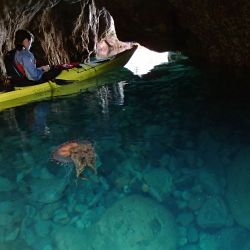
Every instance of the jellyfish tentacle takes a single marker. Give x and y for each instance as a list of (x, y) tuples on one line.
[(82, 154)]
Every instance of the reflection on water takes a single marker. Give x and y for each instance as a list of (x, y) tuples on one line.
[(172, 159)]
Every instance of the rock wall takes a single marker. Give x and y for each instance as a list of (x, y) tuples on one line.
[(150, 23), (64, 30), (238, 187), (213, 32)]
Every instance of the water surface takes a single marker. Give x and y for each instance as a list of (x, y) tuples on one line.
[(172, 159)]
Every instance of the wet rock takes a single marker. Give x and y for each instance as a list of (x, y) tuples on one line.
[(238, 192), (210, 152), (42, 173), (14, 245), (247, 245), (184, 182), (192, 234), (209, 182), (47, 190), (181, 204), (195, 201), (165, 160), (68, 237), (61, 216), (12, 234), (11, 213), (43, 244), (190, 247), (159, 182), (152, 131), (48, 210), (42, 228), (6, 185), (229, 239), (213, 214), (137, 223), (217, 37), (182, 235), (134, 223), (81, 208), (185, 218), (47, 247)]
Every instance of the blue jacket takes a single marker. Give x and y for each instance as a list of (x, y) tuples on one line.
[(28, 62)]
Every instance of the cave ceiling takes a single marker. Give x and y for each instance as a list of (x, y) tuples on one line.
[(216, 32)]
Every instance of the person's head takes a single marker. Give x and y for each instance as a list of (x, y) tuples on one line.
[(23, 39)]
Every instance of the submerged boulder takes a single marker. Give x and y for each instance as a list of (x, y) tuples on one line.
[(136, 223), (228, 239), (13, 245), (6, 185), (47, 190), (213, 213), (159, 183), (238, 192)]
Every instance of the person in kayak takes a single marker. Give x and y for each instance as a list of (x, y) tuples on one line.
[(26, 62)]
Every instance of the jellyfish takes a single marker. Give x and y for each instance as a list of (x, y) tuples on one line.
[(81, 153)]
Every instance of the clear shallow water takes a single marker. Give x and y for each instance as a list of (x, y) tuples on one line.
[(172, 159)]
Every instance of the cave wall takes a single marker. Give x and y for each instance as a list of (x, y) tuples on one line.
[(215, 32), (150, 23), (65, 30)]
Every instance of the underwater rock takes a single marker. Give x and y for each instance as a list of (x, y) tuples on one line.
[(210, 151), (11, 212), (9, 233), (70, 238), (192, 234), (209, 182), (213, 214), (159, 182), (238, 192), (61, 216), (195, 201), (185, 218), (228, 239), (47, 190), (48, 210), (14, 245), (247, 245), (136, 223), (6, 185), (42, 227), (189, 247), (182, 236), (43, 173)]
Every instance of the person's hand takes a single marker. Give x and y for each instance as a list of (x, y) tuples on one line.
[(45, 68)]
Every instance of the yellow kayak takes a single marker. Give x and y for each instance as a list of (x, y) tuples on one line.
[(69, 81)]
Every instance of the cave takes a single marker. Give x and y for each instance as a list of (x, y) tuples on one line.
[(208, 32), (156, 158)]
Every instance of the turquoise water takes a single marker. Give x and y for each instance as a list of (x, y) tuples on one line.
[(172, 158)]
